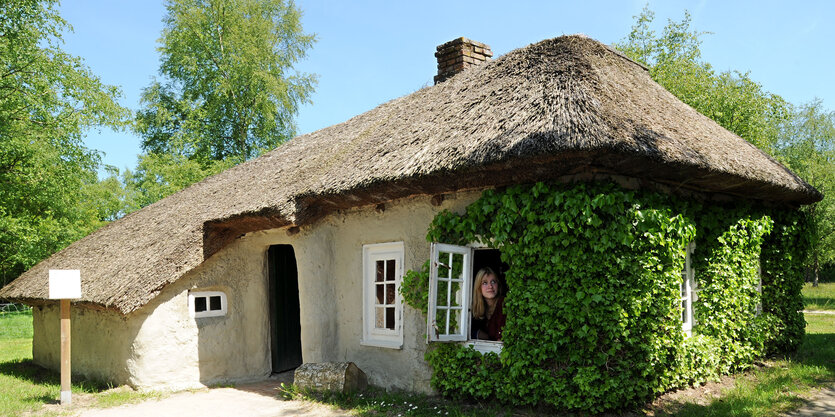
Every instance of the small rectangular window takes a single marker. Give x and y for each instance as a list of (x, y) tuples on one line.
[(206, 304), (382, 306)]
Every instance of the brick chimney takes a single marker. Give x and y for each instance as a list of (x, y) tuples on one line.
[(459, 54)]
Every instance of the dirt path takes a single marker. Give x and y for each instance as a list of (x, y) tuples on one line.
[(818, 312), (251, 400), (822, 405)]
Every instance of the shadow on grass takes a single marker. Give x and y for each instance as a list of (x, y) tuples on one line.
[(727, 406), (820, 303), (773, 392), (43, 399), (770, 390), (28, 371), (818, 350)]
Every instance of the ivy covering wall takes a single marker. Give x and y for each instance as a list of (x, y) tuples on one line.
[(593, 310)]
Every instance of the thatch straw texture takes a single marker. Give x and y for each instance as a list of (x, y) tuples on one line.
[(559, 107)]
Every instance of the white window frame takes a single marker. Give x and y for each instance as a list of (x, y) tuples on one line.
[(192, 304), (688, 287), (433, 333), (371, 334)]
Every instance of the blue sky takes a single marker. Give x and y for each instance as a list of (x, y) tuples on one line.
[(369, 52)]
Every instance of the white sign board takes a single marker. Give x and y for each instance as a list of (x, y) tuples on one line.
[(64, 284)]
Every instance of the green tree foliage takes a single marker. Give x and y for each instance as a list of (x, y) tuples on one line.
[(49, 194), (228, 91), (801, 137), (161, 174), (107, 198), (807, 146), (730, 98)]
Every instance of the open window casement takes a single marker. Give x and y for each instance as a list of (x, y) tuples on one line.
[(450, 276)]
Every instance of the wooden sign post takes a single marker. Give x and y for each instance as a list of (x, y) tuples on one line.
[(65, 284)]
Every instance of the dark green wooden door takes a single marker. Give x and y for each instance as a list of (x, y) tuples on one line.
[(285, 321)]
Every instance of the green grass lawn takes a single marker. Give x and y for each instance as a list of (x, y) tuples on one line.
[(24, 386), (785, 384), (821, 297)]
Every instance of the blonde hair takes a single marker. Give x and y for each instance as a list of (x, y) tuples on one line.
[(478, 307)]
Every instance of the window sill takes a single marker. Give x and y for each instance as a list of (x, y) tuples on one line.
[(203, 315), (389, 344), (484, 346)]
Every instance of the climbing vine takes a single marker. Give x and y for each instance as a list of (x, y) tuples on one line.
[(415, 288), (593, 310), (727, 265), (784, 252)]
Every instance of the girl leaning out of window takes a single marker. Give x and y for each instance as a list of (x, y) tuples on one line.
[(488, 313)]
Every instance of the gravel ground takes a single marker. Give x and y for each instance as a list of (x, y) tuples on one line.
[(253, 400)]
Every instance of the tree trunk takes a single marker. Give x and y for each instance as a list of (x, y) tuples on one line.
[(816, 242), (817, 270)]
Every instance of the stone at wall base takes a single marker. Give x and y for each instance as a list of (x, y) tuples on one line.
[(330, 376)]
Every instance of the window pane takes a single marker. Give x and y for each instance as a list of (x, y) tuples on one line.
[(443, 268), (199, 304), (455, 296), (390, 270), (390, 318), (389, 294), (453, 321), (379, 293), (683, 311), (379, 321), (214, 303), (380, 272), (457, 266), (441, 297), (440, 320)]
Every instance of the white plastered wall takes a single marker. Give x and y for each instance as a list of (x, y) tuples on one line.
[(100, 342), (174, 350), (160, 346), (406, 220)]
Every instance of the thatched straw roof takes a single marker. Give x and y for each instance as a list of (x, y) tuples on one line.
[(559, 107)]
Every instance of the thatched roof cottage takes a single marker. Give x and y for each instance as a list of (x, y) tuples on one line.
[(270, 263)]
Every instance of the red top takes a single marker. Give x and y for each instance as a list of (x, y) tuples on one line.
[(492, 326)]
